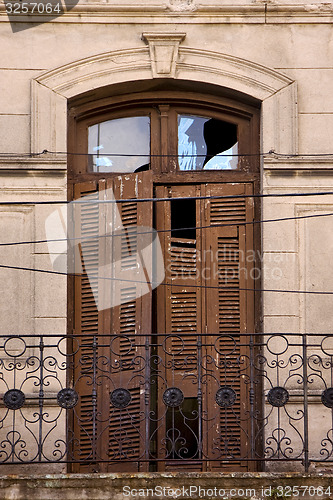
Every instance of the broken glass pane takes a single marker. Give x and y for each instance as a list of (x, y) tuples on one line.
[(121, 145), (206, 144)]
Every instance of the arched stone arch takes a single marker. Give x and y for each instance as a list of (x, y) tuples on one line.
[(165, 57)]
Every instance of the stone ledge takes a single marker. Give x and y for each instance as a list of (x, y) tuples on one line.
[(251, 486), (38, 163)]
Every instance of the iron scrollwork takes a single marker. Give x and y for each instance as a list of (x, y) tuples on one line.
[(14, 399), (67, 398), (120, 398), (327, 397), (278, 396), (211, 394), (225, 396), (173, 397)]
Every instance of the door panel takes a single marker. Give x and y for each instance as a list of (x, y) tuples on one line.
[(86, 224), (163, 375), (131, 323), (188, 390), (181, 323), (112, 314), (205, 308), (229, 314)]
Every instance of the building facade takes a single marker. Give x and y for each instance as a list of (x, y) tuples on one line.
[(214, 122)]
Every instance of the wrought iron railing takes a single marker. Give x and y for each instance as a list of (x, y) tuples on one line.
[(166, 402)]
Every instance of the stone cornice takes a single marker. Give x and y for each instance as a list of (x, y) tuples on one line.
[(299, 163), (192, 12), (52, 163)]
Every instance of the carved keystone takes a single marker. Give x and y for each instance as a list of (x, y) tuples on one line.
[(163, 49)]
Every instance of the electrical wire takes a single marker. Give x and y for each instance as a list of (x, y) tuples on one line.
[(94, 202), (217, 287), (271, 152), (135, 233), (82, 200)]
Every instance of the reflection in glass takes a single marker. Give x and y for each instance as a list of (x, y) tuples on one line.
[(206, 144), (121, 145)]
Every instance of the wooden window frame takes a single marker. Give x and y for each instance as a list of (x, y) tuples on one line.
[(81, 116), (163, 107), (164, 133)]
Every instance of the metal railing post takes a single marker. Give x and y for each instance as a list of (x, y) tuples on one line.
[(306, 417)]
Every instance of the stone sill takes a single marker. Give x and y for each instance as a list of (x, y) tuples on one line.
[(101, 486), (33, 161)]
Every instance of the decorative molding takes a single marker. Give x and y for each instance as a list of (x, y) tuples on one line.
[(17, 191), (310, 244), (233, 72), (182, 5), (164, 58), (17, 224), (101, 12), (163, 50), (97, 71), (56, 164), (119, 66), (299, 163), (281, 132)]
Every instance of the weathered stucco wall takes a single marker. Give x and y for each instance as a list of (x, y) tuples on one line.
[(279, 53), (294, 40)]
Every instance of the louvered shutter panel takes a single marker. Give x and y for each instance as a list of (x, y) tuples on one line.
[(206, 300), (230, 311), (131, 324), (110, 351), (87, 325), (179, 318)]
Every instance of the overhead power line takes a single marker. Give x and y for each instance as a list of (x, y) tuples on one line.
[(218, 287), (175, 155), (120, 234), (82, 200)]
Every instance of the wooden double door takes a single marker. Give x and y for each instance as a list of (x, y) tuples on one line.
[(163, 374)]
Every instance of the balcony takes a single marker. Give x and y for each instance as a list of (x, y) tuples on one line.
[(118, 403)]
